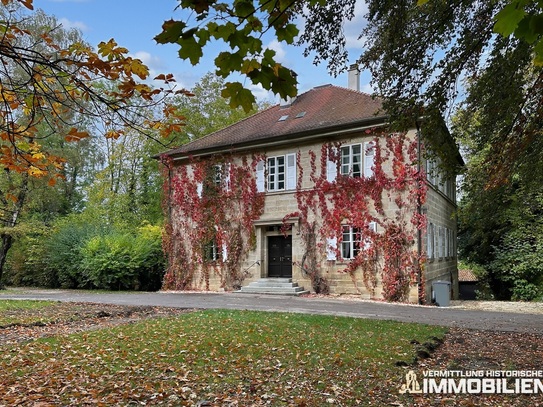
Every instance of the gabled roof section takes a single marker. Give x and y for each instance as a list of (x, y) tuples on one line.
[(316, 111)]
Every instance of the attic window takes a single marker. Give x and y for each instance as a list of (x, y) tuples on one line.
[(301, 114), (283, 118)]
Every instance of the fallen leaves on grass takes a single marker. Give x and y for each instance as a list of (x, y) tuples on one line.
[(22, 324), (232, 358)]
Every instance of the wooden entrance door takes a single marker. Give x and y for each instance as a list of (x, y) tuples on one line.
[(280, 256)]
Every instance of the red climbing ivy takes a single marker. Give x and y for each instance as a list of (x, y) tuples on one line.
[(226, 215), (206, 209), (357, 202)]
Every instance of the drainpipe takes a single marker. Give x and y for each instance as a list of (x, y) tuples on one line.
[(419, 208)]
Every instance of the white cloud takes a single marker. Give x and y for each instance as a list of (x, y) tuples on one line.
[(280, 52), (354, 27), (262, 95), (67, 24), (153, 62), (367, 88)]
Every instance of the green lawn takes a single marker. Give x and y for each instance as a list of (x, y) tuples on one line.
[(252, 358), (23, 311)]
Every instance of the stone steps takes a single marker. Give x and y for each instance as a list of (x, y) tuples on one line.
[(274, 286)]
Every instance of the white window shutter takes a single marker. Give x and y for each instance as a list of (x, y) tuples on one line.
[(260, 176), (331, 247), (430, 241), (372, 226), (199, 189), (430, 171), (331, 167), (369, 158), (291, 171), (224, 252), (227, 170)]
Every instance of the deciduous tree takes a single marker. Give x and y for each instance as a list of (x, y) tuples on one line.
[(50, 83)]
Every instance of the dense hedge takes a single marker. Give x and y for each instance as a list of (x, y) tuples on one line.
[(77, 254)]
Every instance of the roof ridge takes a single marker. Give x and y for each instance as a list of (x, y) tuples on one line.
[(230, 125), (359, 91)]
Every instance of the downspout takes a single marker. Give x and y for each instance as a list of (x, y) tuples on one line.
[(419, 209)]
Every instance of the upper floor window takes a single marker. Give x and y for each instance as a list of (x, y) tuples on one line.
[(217, 178), (355, 160), (277, 173), (351, 160)]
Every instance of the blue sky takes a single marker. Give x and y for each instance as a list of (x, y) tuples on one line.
[(134, 23)]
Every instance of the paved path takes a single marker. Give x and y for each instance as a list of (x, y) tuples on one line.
[(483, 320)]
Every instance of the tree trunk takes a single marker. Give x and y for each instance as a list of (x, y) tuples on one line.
[(7, 241)]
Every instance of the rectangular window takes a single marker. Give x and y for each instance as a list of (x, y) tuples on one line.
[(350, 246), (211, 251), (351, 160), (352, 240), (221, 176), (281, 173)]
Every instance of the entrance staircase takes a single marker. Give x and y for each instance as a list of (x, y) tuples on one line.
[(276, 286)]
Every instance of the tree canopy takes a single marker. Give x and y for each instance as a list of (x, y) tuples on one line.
[(51, 83), (426, 58), (57, 91)]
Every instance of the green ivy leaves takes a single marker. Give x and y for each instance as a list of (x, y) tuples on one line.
[(241, 26)]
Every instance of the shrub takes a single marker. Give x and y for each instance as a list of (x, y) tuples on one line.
[(64, 251), (518, 263), (124, 261), (26, 264)]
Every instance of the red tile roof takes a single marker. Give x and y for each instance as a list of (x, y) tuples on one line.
[(318, 109), (466, 275)]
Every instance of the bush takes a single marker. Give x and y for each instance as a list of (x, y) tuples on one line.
[(124, 261), (64, 251), (518, 263), (26, 264)]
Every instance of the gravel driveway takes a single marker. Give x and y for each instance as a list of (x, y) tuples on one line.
[(481, 316)]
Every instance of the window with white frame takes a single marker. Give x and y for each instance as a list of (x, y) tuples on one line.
[(356, 160), (351, 160), (278, 171), (350, 245), (212, 251), (353, 240), (222, 176)]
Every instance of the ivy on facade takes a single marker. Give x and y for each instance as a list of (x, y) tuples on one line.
[(213, 205), (205, 210)]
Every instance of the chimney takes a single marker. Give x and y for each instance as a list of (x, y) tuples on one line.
[(354, 77)]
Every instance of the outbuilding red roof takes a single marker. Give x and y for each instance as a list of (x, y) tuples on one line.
[(466, 275), (318, 109)]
